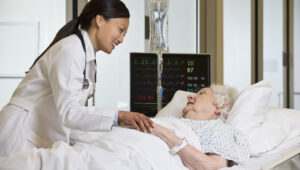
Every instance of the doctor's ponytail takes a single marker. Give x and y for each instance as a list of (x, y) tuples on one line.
[(107, 8)]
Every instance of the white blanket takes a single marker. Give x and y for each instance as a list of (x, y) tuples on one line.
[(119, 149)]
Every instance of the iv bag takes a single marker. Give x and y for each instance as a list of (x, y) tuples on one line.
[(158, 14)]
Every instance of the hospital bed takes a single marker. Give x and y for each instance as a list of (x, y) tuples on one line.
[(285, 156), (273, 134)]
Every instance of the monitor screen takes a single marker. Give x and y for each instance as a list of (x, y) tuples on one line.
[(189, 72)]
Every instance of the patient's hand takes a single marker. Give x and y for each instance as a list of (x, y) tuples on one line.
[(165, 134), (135, 120), (160, 131)]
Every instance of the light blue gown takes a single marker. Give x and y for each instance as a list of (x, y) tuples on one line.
[(222, 139)]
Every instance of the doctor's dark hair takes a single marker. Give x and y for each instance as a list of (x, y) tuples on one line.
[(107, 8)]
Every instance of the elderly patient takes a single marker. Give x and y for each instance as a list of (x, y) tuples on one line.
[(205, 113)]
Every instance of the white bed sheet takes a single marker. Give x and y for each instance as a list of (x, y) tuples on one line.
[(128, 149), (121, 149)]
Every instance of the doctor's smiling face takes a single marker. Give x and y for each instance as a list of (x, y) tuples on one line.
[(109, 33), (201, 106)]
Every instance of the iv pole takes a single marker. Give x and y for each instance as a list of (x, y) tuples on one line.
[(158, 39), (159, 79)]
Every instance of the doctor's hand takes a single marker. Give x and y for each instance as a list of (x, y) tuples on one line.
[(134, 120)]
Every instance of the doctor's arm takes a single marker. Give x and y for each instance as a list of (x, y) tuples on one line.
[(65, 74), (190, 156)]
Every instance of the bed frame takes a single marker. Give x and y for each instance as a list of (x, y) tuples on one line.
[(283, 159)]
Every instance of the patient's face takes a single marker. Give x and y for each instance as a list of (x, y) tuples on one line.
[(201, 106)]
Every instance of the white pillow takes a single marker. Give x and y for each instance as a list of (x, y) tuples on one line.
[(250, 108), (248, 98), (175, 106), (279, 126)]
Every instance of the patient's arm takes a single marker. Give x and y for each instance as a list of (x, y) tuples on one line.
[(190, 156)]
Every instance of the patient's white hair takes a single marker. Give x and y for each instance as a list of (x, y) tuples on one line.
[(225, 96)]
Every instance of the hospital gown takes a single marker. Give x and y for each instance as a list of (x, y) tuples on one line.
[(220, 138)]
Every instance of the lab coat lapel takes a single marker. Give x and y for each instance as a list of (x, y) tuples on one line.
[(90, 53)]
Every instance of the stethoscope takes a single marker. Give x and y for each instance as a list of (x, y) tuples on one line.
[(85, 83)]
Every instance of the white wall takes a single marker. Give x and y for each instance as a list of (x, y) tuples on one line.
[(48, 14), (237, 43)]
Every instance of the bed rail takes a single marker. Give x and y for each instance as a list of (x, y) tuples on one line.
[(286, 157)]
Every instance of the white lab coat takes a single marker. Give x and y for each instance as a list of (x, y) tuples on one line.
[(48, 105)]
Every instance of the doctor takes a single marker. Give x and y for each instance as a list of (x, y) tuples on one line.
[(50, 102)]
